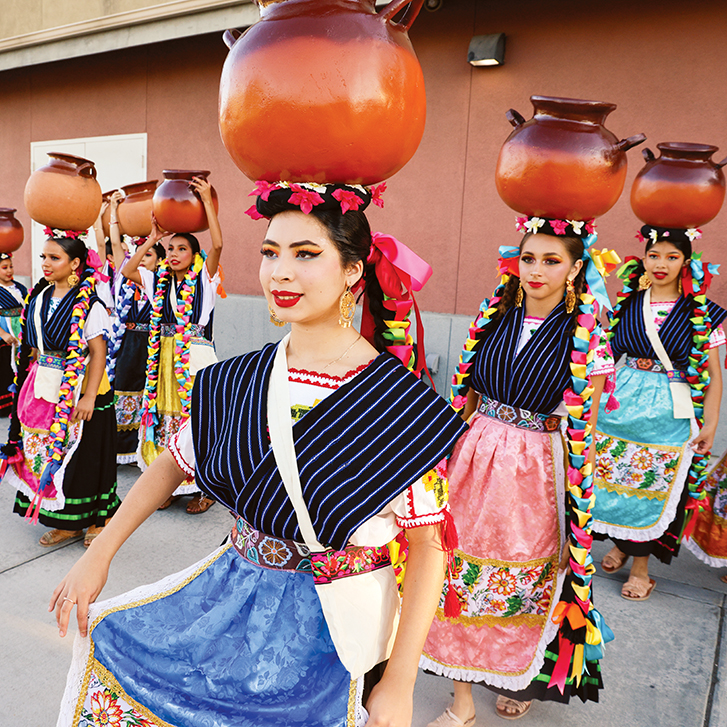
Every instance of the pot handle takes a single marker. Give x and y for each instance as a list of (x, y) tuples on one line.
[(648, 155), (87, 169), (231, 37), (515, 118), (631, 141), (388, 12), (721, 164)]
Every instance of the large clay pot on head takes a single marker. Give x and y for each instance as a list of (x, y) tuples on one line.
[(177, 206), (681, 188), (135, 209), (323, 90), (563, 163), (64, 193), (11, 231)]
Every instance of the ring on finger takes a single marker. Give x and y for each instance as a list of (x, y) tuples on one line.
[(70, 600)]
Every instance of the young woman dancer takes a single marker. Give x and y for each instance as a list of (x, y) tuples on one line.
[(12, 300), (511, 617), (62, 440), (651, 455), (248, 619), (180, 341)]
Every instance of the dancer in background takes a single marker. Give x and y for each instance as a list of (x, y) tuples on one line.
[(653, 449), (248, 618), (511, 617), (183, 294), (61, 453), (12, 299)]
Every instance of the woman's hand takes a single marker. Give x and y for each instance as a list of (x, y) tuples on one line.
[(157, 233), (79, 588), (388, 706), (703, 442), (8, 337), (84, 408), (114, 201), (203, 188)]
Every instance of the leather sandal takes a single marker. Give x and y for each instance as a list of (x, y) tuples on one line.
[(614, 565), (199, 503), (91, 534), (511, 708), (625, 591), (56, 537), (449, 719)]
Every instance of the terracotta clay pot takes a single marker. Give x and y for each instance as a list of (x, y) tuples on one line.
[(323, 90), (177, 206), (11, 231), (135, 209), (106, 215), (682, 187), (64, 193), (563, 163)]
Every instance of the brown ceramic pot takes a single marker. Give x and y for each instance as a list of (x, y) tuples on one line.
[(135, 209), (11, 231), (682, 187), (323, 90), (64, 193), (563, 163), (177, 206)]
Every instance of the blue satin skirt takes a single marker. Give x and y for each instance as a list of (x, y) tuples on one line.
[(237, 645)]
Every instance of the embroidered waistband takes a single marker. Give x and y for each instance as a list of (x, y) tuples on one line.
[(655, 367), (280, 554), (52, 360), (195, 330), (143, 327), (518, 417), (10, 312)]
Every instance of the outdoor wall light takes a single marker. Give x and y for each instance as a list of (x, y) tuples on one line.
[(487, 50)]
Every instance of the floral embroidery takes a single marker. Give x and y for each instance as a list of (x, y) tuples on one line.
[(436, 480), (106, 710), (333, 564), (103, 707), (274, 552)]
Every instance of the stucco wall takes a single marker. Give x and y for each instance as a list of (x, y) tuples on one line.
[(642, 56)]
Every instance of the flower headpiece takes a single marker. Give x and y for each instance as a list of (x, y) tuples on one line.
[(305, 196), (6, 256), (569, 228), (58, 233), (668, 234)]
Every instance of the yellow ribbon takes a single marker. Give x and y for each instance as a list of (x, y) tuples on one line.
[(605, 260)]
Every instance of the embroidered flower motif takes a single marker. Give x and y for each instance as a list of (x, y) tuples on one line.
[(376, 193), (304, 198), (502, 582), (274, 552), (642, 460), (506, 414), (559, 226), (604, 469), (105, 710), (349, 200), (577, 225), (435, 482), (534, 224)]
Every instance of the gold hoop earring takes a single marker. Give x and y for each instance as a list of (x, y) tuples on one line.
[(73, 279), (347, 307), (644, 282), (519, 295), (274, 319), (570, 296)]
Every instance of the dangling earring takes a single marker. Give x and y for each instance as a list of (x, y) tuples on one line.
[(644, 282), (347, 307), (519, 295), (73, 279), (274, 319), (680, 289), (570, 296)]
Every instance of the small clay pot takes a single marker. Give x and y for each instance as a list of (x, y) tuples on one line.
[(64, 193), (11, 231), (135, 209), (563, 163), (681, 188), (177, 207)]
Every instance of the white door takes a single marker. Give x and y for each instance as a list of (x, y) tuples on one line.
[(119, 160)]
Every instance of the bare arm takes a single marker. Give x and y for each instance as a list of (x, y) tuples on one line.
[(131, 270), (473, 403), (391, 701), (114, 232), (98, 232), (703, 442), (86, 579), (204, 190), (94, 373)]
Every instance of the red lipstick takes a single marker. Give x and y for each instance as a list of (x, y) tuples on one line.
[(285, 298)]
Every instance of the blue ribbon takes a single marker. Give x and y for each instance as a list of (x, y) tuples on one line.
[(594, 279), (508, 251)]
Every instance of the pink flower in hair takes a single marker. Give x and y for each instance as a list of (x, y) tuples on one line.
[(640, 237), (263, 190), (304, 198), (520, 224), (252, 212), (349, 200), (591, 227), (376, 193), (559, 226)]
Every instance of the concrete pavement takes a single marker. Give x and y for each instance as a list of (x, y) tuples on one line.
[(667, 666)]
